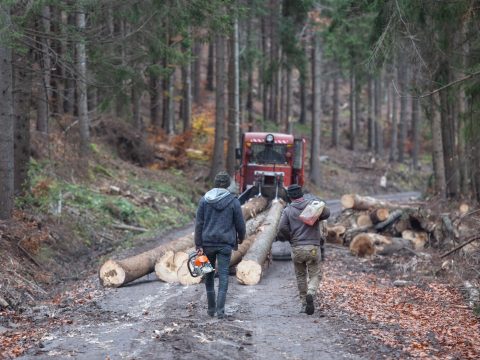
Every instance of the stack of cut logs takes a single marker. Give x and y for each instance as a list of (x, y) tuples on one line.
[(371, 226), (169, 261)]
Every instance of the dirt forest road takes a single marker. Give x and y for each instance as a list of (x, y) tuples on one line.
[(153, 320)]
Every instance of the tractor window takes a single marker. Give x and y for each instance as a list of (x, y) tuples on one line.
[(268, 154)]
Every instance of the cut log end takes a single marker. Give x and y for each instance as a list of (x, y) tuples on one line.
[(348, 201), (183, 275), (463, 208), (249, 272), (362, 246), (166, 269), (364, 220), (111, 274)]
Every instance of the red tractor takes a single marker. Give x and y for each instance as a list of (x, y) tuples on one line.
[(270, 162)]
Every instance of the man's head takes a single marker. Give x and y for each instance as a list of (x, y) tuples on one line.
[(222, 180), (294, 191)]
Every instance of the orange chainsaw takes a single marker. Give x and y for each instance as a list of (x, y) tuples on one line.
[(198, 265)]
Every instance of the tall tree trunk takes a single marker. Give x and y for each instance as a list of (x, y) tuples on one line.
[(82, 86), (136, 100), (437, 147), (316, 113), (289, 100), (233, 101), (265, 74), (378, 116), (335, 112), (415, 131), (394, 128), (358, 117), (196, 71), (275, 62), (303, 99), (218, 161), (168, 103), (44, 93), (353, 121), (402, 84), (6, 123), (210, 66), (370, 115), (21, 106), (448, 140), (69, 94), (154, 87), (250, 82), (187, 96), (325, 90)]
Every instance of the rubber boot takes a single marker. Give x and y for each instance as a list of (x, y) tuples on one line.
[(211, 303), (221, 304), (310, 308)]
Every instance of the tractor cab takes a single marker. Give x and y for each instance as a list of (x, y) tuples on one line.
[(270, 162)]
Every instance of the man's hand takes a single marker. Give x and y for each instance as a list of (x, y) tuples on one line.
[(200, 251)]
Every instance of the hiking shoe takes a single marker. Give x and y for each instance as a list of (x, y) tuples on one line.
[(310, 308)]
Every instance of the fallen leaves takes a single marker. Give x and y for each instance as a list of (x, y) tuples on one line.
[(425, 320)]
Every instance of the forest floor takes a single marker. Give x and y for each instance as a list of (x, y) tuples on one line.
[(61, 233)]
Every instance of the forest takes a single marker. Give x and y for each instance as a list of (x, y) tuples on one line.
[(411, 69), (115, 117)]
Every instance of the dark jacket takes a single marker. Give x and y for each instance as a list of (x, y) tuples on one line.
[(219, 220), (293, 229)]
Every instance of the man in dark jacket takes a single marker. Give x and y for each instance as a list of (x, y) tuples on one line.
[(219, 228), (306, 241)]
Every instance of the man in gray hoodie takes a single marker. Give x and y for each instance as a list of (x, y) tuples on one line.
[(306, 241), (219, 228)]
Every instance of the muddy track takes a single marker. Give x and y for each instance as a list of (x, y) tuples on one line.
[(151, 319)]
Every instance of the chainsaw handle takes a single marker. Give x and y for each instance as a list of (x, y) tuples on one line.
[(189, 263)]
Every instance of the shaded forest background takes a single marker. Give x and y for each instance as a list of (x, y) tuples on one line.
[(70, 70)]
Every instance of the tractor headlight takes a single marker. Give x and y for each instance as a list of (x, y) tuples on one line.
[(269, 139)]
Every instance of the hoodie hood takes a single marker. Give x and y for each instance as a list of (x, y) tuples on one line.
[(300, 205), (219, 198)]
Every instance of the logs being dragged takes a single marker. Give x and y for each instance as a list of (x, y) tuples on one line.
[(249, 270), (172, 267), (115, 273), (253, 207)]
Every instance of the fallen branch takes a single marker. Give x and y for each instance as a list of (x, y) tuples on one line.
[(472, 239), (130, 228)]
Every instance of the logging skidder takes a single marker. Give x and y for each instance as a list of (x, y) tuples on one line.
[(219, 228), (306, 241)]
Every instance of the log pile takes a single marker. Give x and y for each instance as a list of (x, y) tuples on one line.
[(370, 226)]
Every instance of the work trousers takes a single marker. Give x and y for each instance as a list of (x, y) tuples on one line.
[(221, 255), (306, 261)]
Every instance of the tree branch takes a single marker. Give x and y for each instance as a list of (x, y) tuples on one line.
[(455, 82)]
